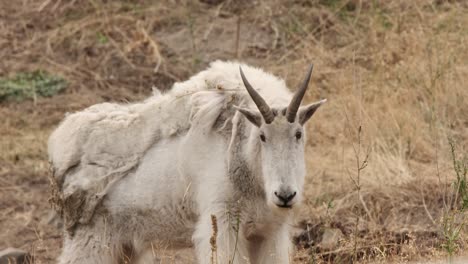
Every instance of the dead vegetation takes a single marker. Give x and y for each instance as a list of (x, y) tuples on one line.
[(395, 74)]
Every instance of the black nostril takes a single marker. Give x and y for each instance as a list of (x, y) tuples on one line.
[(290, 197), (285, 198)]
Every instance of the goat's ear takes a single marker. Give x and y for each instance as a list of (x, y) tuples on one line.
[(306, 112), (251, 115)]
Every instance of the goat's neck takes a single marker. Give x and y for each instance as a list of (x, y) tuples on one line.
[(244, 160), (253, 156)]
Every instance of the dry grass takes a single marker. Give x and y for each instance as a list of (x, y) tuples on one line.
[(397, 69)]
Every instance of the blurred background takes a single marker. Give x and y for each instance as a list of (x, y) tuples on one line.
[(387, 155)]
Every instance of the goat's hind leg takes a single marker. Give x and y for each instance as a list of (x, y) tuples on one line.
[(86, 248)]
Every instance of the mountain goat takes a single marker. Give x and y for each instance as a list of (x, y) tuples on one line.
[(125, 176)]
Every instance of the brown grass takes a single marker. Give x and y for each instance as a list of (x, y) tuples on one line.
[(397, 69)]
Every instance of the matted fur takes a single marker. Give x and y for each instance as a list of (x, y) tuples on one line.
[(129, 175)]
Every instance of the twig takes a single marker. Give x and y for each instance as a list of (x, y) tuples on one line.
[(43, 5), (154, 47), (236, 228), (360, 164), (238, 35), (120, 51), (57, 4), (210, 27), (275, 29), (427, 211)]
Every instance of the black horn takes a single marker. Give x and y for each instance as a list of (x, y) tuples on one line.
[(297, 98), (258, 100)]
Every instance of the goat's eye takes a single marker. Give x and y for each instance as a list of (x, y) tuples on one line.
[(262, 137), (298, 135)]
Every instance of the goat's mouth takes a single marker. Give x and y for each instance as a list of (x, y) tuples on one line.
[(285, 206)]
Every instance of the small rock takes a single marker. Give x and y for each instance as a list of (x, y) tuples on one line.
[(14, 256), (330, 238)]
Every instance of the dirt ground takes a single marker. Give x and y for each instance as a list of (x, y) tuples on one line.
[(385, 156)]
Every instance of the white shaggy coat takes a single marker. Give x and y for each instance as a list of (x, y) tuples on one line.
[(155, 172)]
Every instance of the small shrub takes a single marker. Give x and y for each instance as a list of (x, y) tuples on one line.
[(30, 85), (460, 166), (454, 220)]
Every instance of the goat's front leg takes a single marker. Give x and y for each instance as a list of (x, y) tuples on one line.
[(228, 246), (276, 248)]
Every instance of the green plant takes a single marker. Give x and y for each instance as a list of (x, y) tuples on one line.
[(453, 220), (30, 85), (101, 38), (451, 233), (460, 166), (236, 228)]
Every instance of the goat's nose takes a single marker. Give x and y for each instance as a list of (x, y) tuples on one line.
[(285, 197)]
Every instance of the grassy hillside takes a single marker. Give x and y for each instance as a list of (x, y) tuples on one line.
[(386, 155)]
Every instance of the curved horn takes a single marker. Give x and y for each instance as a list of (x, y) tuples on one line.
[(258, 100), (297, 98)]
